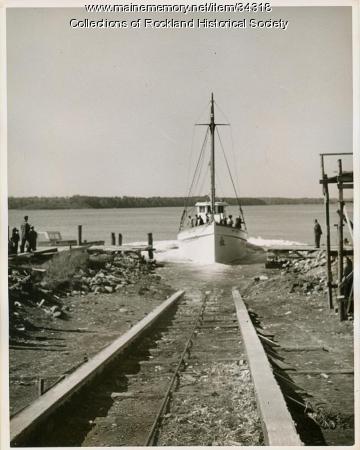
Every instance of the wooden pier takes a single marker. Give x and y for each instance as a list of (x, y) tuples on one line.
[(82, 244), (298, 249)]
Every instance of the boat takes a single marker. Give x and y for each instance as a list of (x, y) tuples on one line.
[(53, 239), (215, 237)]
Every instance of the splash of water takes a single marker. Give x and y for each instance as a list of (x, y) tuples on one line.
[(168, 250)]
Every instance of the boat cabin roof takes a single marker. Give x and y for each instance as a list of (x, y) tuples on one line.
[(209, 204)]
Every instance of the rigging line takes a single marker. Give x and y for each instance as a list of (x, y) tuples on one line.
[(232, 143), (190, 157), (227, 164), (231, 178), (234, 156), (202, 112), (196, 184), (204, 179), (192, 142), (221, 188), (201, 163), (222, 112), (197, 165)]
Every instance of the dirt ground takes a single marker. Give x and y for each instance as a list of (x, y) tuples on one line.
[(52, 347), (308, 338)]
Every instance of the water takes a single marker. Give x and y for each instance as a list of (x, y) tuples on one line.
[(273, 224)]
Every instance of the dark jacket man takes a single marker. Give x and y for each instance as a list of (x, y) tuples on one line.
[(317, 233), (15, 238), (32, 239), (24, 228)]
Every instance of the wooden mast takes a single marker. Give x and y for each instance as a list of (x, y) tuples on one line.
[(212, 160)]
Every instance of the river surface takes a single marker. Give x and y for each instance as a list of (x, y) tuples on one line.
[(273, 224)]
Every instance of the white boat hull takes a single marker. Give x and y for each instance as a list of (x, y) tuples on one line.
[(212, 242)]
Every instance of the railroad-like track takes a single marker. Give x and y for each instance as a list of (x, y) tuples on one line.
[(193, 372)]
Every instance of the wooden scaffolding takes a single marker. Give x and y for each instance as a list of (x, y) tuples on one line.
[(343, 180)]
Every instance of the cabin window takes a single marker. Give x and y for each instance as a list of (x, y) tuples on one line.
[(209, 209), (220, 209), (202, 209)]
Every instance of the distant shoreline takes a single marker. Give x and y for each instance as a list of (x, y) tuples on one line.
[(89, 202)]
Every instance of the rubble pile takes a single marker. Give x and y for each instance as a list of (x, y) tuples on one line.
[(103, 274), (306, 264), (116, 272), (25, 290), (299, 264), (310, 271)]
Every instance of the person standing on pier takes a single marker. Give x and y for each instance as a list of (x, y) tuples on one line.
[(32, 239), (317, 233), (15, 238), (24, 228)]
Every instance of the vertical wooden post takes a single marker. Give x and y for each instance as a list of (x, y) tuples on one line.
[(342, 307), (150, 245), (41, 385), (113, 240), (328, 242), (79, 234), (340, 230), (120, 239)]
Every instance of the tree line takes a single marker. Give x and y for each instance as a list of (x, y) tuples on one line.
[(83, 201)]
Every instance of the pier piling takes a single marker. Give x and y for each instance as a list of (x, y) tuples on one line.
[(340, 231), (41, 386), (113, 240), (79, 234), (150, 244)]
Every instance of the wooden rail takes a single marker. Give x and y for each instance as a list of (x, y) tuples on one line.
[(278, 426), (27, 420)]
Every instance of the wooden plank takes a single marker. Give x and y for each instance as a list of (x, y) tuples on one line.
[(278, 426), (349, 223), (120, 248), (29, 418), (90, 243), (292, 248), (344, 177), (304, 348), (34, 253), (25, 267), (320, 371), (308, 248)]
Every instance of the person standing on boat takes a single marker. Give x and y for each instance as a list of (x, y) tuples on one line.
[(230, 222), (238, 222), (200, 220), (24, 228), (317, 233)]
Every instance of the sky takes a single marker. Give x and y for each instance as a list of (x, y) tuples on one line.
[(112, 112)]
